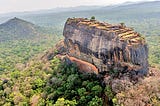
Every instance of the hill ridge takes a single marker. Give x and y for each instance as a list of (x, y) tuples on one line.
[(17, 28)]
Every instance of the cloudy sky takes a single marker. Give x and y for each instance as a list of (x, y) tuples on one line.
[(32, 5)]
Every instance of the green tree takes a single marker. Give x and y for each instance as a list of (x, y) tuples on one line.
[(81, 91), (96, 101), (93, 18), (38, 83), (96, 90), (123, 24), (15, 74), (63, 102), (108, 92)]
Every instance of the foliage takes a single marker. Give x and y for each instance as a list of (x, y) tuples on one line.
[(20, 51), (62, 85), (93, 18), (15, 74), (154, 101), (63, 102), (71, 86), (122, 24), (113, 73), (108, 92), (154, 50), (95, 102), (97, 90), (114, 101)]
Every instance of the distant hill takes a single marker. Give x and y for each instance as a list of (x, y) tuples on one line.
[(141, 16), (17, 29), (124, 12)]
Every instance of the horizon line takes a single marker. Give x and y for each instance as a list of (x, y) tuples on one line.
[(64, 7)]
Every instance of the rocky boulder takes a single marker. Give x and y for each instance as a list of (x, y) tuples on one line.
[(108, 47)]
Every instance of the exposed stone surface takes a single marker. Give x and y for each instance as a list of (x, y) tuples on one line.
[(108, 47)]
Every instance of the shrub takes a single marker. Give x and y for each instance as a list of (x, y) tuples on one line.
[(38, 83), (96, 101), (93, 18), (108, 92), (97, 90), (15, 74), (63, 102), (81, 91)]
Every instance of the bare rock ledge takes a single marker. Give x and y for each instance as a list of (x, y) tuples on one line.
[(108, 47)]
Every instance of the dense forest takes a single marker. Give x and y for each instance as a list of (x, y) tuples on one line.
[(58, 84), (26, 79)]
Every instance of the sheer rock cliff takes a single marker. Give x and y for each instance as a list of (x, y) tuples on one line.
[(108, 47)]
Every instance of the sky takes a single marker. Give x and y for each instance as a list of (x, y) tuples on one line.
[(33, 5)]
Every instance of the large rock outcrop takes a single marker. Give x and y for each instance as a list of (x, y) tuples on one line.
[(108, 47)]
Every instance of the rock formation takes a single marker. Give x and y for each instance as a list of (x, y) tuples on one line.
[(108, 47)]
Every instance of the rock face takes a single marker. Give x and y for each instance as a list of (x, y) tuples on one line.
[(108, 47)]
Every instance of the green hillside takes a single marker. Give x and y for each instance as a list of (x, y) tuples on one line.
[(17, 29), (20, 41)]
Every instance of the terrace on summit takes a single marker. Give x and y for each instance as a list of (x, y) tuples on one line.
[(124, 34)]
